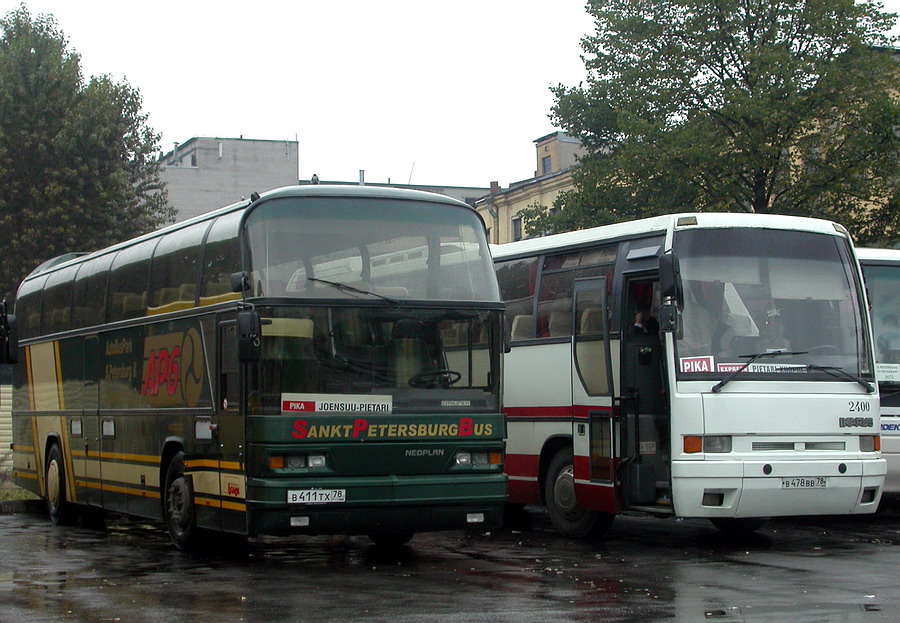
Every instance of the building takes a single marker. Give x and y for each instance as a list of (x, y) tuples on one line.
[(556, 155), (203, 174)]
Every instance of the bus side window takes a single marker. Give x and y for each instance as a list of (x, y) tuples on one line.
[(176, 269), (28, 307), (130, 278), (221, 258), (89, 297), (56, 308)]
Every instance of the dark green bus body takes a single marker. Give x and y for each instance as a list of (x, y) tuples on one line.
[(373, 406)]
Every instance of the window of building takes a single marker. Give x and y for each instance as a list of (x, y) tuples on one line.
[(546, 166), (517, 228)]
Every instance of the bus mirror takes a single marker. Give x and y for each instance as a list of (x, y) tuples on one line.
[(9, 338), (668, 318), (240, 282), (249, 328), (670, 278)]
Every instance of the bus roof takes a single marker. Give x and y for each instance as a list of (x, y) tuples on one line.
[(871, 254), (662, 225), (311, 190)]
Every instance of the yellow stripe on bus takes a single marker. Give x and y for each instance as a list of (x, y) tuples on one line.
[(67, 450), (231, 506), (200, 463), (31, 475), (38, 463), (134, 458), (29, 382), (59, 378), (130, 491)]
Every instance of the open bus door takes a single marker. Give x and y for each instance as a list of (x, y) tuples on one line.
[(644, 468), (595, 434)]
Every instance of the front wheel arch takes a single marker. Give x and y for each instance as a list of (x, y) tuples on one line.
[(567, 515)]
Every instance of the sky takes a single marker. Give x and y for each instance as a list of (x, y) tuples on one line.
[(409, 91)]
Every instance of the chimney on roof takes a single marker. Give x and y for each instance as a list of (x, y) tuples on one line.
[(495, 188)]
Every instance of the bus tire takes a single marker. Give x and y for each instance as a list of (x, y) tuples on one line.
[(178, 507), (569, 518), (62, 512), (733, 526)]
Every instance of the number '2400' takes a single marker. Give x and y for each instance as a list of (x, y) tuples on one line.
[(857, 406)]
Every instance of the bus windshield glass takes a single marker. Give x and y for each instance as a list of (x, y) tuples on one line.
[(883, 284), (374, 249), (754, 292)]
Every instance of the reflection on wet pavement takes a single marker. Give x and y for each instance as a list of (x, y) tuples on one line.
[(840, 570)]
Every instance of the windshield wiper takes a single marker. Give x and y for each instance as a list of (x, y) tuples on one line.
[(830, 370), (773, 353), (347, 288)]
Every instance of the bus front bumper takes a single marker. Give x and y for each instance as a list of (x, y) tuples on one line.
[(713, 488), (378, 505)]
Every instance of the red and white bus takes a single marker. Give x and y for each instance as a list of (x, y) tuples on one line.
[(692, 365), (881, 268)]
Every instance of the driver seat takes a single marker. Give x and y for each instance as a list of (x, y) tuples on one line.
[(408, 352)]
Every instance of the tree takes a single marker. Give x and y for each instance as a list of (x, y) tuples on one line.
[(783, 106), (77, 165)]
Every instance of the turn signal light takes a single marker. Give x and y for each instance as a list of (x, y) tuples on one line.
[(693, 444)]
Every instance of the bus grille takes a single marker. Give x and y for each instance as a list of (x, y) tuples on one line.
[(772, 445), (768, 446)]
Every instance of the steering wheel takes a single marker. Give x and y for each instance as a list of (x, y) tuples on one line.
[(443, 377)]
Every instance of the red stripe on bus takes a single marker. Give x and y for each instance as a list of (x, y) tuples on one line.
[(525, 465), (578, 411), (524, 492)]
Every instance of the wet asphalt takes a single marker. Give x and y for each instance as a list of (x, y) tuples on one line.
[(831, 569)]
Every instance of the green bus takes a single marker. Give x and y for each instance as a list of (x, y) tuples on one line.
[(314, 360)]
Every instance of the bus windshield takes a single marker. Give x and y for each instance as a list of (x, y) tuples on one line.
[(752, 292), (397, 250), (883, 284)]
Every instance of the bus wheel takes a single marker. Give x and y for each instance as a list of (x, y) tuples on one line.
[(392, 540), (179, 506), (61, 511), (737, 527), (568, 517)]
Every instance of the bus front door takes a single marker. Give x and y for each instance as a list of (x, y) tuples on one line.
[(229, 427), (595, 437), (644, 471)]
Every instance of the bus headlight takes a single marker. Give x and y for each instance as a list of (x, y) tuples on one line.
[(296, 461), (279, 462), (480, 458), (717, 444), (869, 443)]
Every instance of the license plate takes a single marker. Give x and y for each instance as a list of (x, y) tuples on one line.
[(816, 482), (316, 496)]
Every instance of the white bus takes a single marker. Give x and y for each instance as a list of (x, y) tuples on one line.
[(692, 365), (881, 268)]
